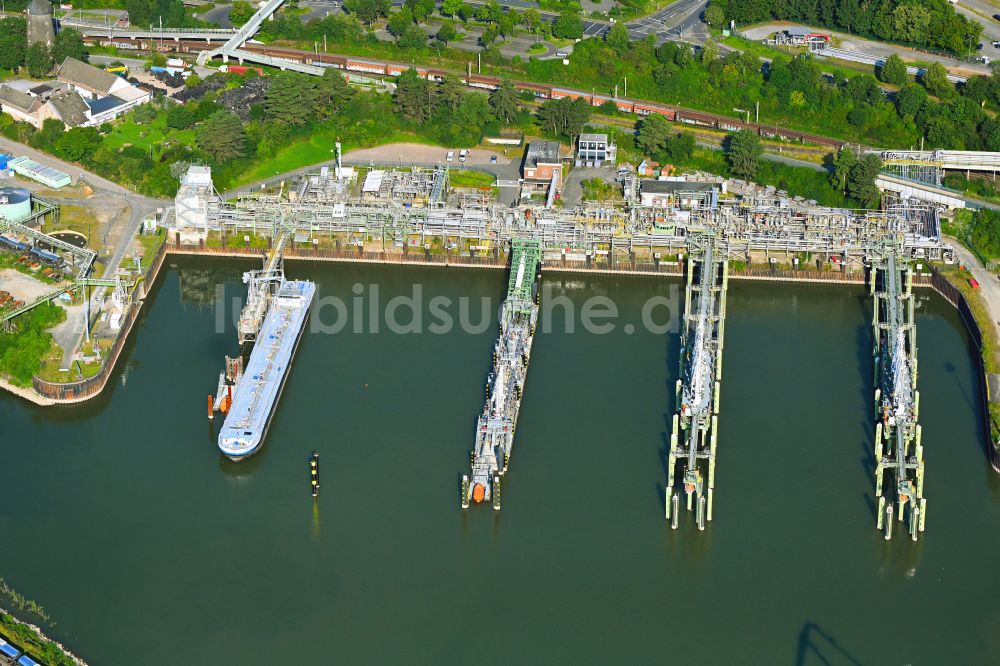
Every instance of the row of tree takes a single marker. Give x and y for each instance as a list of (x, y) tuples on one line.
[(38, 59), (926, 23)]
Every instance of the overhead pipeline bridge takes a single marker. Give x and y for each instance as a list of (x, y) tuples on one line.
[(243, 34), (695, 425), (908, 188), (505, 385), (95, 29), (824, 51), (898, 451)]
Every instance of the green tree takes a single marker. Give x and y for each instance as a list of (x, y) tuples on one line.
[(709, 52), (180, 116), (47, 136), (222, 137), (653, 132), (332, 92), (420, 9), (568, 26), (680, 147), (532, 20), (413, 37), (743, 152), (841, 168), (489, 12), (452, 7), (368, 11), (78, 144), (38, 60), (507, 25), (715, 15), (241, 12), (910, 99), (68, 44), (893, 70), (292, 98), (617, 37), (400, 21), (503, 101), (935, 79), (564, 116), (414, 98), (911, 22), (450, 93), (13, 42), (192, 81), (861, 181), (447, 32)]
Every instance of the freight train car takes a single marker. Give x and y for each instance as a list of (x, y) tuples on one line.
[(482, 82)]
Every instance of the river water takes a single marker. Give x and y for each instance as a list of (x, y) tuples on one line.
[(146, 548)]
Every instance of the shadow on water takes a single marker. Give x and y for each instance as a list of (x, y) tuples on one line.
[(900, 556), (815, 646), (671, 358), (866, 368), (246, 467)]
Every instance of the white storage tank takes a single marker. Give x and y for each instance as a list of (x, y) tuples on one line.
[(15, 203)]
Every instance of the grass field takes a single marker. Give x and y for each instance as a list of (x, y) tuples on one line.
[(463, 178), (155, 135), (316, 149)]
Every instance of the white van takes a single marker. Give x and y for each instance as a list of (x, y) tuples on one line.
[(462, 155)]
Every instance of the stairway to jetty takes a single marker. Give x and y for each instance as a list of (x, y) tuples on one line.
[(505, 386), (898, 451), (693, 435)]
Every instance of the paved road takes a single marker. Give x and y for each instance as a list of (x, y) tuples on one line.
[(680, 20), (139, 206), (989, 285), (880, 49), (983, 11), (394, 155)]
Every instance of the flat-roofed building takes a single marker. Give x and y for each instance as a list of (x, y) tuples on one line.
[(542, 167), (593, 150)]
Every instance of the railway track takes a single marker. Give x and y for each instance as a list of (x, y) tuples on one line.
[(690, 117)]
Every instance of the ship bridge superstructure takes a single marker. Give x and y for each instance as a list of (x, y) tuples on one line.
[(505, 384), (899, 457), (694, 425)]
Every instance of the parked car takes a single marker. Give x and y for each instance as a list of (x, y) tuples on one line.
[(493, 159), (451, 156), (462, 155), (996, 44), (979, 46), (996, 17)]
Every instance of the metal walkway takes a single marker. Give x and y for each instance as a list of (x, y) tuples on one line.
[(693, 435), (505, 386), (898, 450), (260, 287), (244, 33)]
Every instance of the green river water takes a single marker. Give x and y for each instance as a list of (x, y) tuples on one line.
[(146, 549)]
